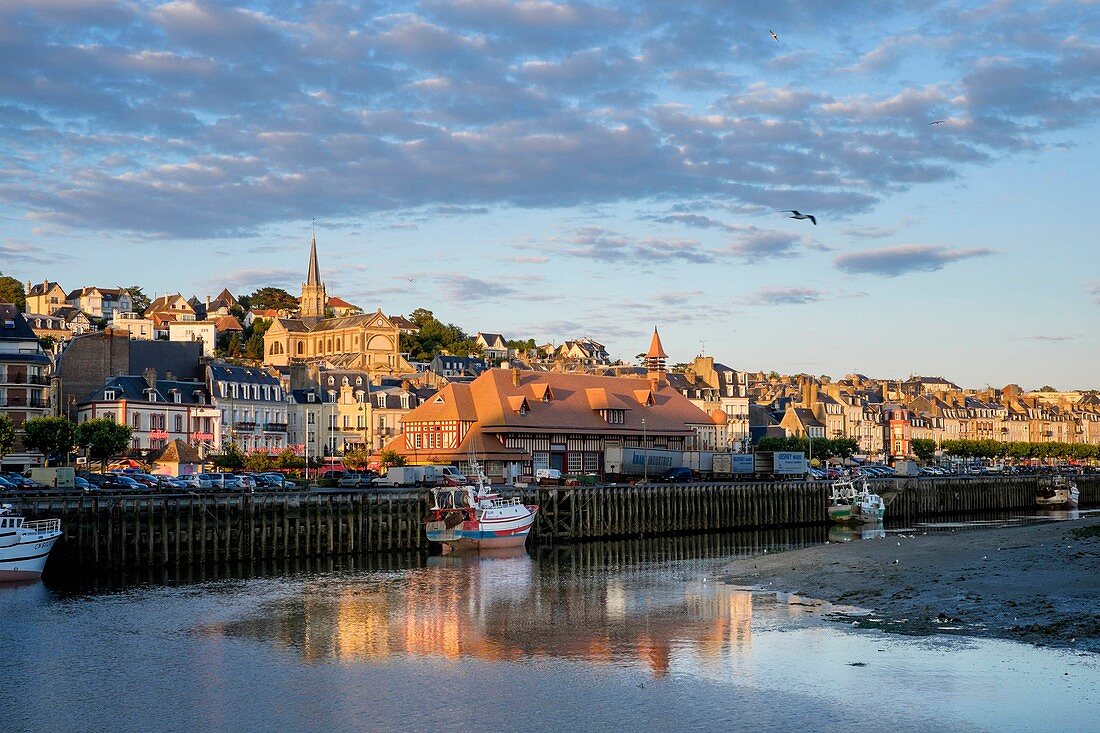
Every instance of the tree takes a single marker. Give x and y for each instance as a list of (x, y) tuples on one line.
[(103, 439), (47, 343), (138, 296), (50, 436), (260, 462), (230, 458), (11, 291), (358, 459), (270, 298), (389, 458), (1047, 388), (923, 448), (7, 435), (435, 337), (290, 460)]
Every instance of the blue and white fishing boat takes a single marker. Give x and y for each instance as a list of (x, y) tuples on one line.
[(475, 517)]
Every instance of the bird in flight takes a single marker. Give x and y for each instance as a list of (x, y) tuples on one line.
[(773, 35), (937, 122), (795, 214)]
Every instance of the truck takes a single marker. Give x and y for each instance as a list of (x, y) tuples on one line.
[(638, 462), (727, 465), (54, 478), (785, 464), (420, 476)]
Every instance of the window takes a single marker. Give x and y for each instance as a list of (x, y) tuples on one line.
[(574, 463), (136, 421), (310, 418), (380, 400), (235, 392), (179, 423), (331, 381), (109, 394), (591, 462)]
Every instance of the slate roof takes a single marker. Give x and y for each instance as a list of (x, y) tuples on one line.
[(134, 389), (20, 330), (241, 375)]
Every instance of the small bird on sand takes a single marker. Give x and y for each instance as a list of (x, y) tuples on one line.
[(895, 562), (795, 214), (773, 35), (937, 122)]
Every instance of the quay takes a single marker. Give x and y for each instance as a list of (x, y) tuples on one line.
[(158, 530)]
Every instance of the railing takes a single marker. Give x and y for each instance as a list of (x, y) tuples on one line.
[(275, 427), (43, 525), (244, 426)]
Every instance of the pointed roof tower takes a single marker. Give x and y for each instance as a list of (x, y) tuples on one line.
[(655, 361), (314, 275)]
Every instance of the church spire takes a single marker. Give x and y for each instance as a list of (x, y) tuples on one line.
[(314, 276), (312, 304), (655, 361)]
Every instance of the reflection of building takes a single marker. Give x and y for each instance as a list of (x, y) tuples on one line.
[(506, 608)]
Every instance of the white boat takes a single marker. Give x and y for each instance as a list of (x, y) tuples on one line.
[(476, 518), (849, 502), (1058, 492), (24, 546)]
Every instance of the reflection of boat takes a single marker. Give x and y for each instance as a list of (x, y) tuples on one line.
[(851, 503), (1059, 491), (24, 546), (469, 517), (865, 532)]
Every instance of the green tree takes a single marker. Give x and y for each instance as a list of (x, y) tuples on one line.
[(270, 298), (358, 459), (230, 458), (435, 337), (290, 460), (11, 291), (47, 343), (923, 448), (1047, 388), (138, 296), (50, 436), (259, 462), (104, 439), (389, 458), (7, 435)]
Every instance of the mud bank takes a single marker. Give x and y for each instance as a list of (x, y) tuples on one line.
[(1037, 583)]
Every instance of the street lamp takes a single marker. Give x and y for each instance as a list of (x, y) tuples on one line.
[(645, 456)]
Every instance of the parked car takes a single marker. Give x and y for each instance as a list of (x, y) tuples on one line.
[(145, 479), (245, 482), (195, 481), (221, 481), (20, 481), (85, 485), (6, 485), (170, 483), (275, 480), (119, 482), (680, 474), (355, 480)]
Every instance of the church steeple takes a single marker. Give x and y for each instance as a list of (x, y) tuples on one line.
[(314, 298), (314, 276)]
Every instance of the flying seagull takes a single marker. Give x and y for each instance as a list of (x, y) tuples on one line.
[(937, 122), (796, 215), (773, 35)]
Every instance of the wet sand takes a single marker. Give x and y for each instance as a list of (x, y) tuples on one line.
[(1037, 584)]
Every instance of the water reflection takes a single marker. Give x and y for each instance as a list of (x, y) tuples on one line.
[(842, 533), (509, 607)]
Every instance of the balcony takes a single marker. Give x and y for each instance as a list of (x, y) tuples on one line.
[(275, 427), (32, 402), (244, 425)]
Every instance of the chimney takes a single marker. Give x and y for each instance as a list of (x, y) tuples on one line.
[(151, 377), (29, 286), (515, 377)]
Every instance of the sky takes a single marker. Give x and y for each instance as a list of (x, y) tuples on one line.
[(554, 170)]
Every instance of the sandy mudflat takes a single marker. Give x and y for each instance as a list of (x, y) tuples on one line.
[(1036, 583)]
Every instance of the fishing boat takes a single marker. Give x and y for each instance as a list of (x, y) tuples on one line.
[(474, 517), (849, 502), (24, 546), (1058, 492)]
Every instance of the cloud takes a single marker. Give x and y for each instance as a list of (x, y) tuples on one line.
[(894, 261), (753, 244), (793, 295), (195, 119), (464, 288), (251, 279), (21, 251), (1050, 339), (690, 220), (606, 245), (873, 232), (1093, 289), (529, 260)]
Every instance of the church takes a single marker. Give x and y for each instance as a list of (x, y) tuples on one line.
[(368, 342)]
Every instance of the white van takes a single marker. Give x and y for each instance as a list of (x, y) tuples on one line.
[(63, 477)]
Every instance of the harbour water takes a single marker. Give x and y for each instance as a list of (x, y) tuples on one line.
[(608, 636)]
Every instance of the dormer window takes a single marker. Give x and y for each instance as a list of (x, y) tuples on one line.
[(235, 392), (381, 400), (177, 397), (331, 380), (110, 394), (614, 417), (311, 397), (358, 381)]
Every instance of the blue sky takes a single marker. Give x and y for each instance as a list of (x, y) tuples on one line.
[(565, 169)]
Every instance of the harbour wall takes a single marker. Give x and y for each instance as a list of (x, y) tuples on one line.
[(116, 531)]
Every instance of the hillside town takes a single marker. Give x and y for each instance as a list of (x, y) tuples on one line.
[(318, 377)]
